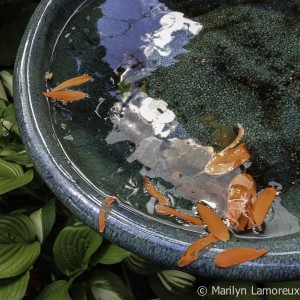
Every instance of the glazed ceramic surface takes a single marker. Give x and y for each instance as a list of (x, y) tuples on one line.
[(85, 150)]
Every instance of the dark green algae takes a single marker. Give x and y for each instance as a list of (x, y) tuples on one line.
[(243, 67)]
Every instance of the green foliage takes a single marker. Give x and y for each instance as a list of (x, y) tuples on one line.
[(57, 290)]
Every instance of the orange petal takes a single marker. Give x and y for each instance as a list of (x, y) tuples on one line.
[(237, 139), (154, 192), (105, 210), (250, 214), (193, 251), (214, 223), (167, 210), (67, 96), (243, 221), (237, 256), (73, 81), (224, 162), (262, 205)]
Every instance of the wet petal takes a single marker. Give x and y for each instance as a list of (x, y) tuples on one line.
[(67, 96), (237, 256), (72, 82)]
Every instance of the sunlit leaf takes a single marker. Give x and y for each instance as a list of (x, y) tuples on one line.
[(105, 285), (15, 288), (57, 290), (74, 247), (109, 254), (12, 176), (20, 158), (141, 266), (7, 80), (18, 247), (43, 220)]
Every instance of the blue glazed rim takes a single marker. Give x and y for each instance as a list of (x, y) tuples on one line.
[(126, 227)]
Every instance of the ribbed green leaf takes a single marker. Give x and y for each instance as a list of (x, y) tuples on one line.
[(173, 284), (74, 247), (14, 289), (9, 115), (20, 158), (43, 220), (106, 285), (109, 254), (57, 290), (3, 97), (141, 266), (7, 80), (18, 248), (12, 176)]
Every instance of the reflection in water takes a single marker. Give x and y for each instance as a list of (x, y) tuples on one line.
[(139, 37)]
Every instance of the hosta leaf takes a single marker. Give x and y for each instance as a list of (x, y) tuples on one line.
[(20, 158), (18, 248), (141, 266), (106, 285), (173, 284), (15, 288), (78, 291), (9, 115), (227, 290), (74, 247), (7, 80), (57, 290), (43, 220), (109, 254)]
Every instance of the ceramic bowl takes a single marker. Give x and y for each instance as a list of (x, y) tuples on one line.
[(68, 143)]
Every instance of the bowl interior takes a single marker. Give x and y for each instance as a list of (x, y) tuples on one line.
[(209, 78)]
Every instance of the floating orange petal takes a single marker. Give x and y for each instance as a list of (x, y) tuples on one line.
[(250, 214), (154, 192), (72, 82), (214, 223), (67, 96), (243, 221), (262, 205), (105, 210), (224, 162), (193, 251), (237, 256), (167, 210)]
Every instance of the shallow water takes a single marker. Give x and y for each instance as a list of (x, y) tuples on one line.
[(167, 81)]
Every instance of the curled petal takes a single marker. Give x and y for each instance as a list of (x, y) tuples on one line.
[(105, 210), (193, 251), (237, 256)]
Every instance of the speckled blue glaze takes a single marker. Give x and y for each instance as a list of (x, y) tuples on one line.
[(126, 227)]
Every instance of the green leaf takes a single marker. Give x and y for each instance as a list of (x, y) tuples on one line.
[(280, 290), (15, 288), (141, 266), (9, 115), (227, 290), (106, 285), (74, 247), (43, 220), (57, 290), (20, 158), (18, 248), (7, 80), (3, 97), (109, 254), (173, 284), (78, 291), (12, 176)]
